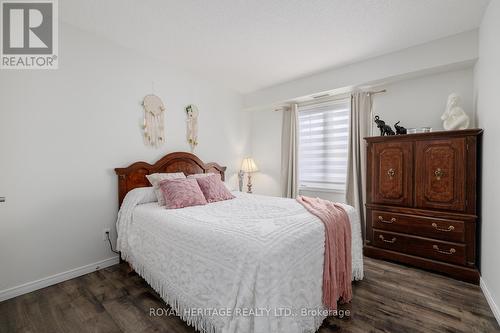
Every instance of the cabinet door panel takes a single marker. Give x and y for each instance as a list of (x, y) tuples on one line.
[(392, 173), (440, 177)]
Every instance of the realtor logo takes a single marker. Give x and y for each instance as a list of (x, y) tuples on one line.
[(29, 34)]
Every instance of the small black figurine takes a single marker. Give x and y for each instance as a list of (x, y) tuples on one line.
[(400, 130), (384, 129)]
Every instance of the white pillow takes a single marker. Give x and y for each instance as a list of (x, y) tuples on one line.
[(201, 175), (156, 178), (146, 194)]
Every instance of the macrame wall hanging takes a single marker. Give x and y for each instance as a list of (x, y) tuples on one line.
[(192, 125), (154, 121)]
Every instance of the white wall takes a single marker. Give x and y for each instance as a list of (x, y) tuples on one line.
[(61, 134), (442, 54), (421, 101), (488, 118), (416, 102)]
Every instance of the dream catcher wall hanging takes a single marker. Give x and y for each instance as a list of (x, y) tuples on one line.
[(192, 125), (154, 121)]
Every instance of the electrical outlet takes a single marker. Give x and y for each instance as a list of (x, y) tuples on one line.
[(104, 234)]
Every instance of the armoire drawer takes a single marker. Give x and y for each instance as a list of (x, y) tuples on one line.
[(423, 247), (389, 241), (448, 230)]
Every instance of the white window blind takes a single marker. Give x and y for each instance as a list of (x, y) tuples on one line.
[(323, 144)]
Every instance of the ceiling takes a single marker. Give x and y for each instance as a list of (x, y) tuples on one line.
[(252, 44)]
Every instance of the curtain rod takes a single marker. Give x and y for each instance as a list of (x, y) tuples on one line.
[(376, 92), (327, 98)]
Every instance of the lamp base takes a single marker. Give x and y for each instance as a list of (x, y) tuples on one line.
[(249, 184)]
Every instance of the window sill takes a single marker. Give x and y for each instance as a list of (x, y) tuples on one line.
[(319, 189)]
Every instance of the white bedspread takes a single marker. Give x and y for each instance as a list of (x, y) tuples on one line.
[(241, 265)]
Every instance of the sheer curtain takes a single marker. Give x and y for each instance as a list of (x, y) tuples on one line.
[(361, 109), (289, 152)]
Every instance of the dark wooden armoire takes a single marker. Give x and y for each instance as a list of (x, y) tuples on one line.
[(422, 201)]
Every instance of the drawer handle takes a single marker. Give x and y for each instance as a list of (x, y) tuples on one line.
[(438, 173), (393, 240), (436, 248), (450, 228), (384, 221), (391, 172)]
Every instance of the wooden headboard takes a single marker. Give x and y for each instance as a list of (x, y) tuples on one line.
[(134, 176)]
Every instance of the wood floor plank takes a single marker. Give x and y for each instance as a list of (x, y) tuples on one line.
[(391, 298)]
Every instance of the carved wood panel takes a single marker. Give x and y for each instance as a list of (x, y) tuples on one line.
[(188, 168), (134, 176), (441, 166), (393, 172)]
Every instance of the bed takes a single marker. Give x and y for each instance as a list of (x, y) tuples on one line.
[(250, 264)]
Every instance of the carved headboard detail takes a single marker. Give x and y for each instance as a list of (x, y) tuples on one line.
[(134, 176)]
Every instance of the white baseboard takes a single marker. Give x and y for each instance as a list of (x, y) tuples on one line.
[(491, 302), (56, 278)]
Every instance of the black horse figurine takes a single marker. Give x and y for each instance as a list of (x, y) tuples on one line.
[(384, 129)]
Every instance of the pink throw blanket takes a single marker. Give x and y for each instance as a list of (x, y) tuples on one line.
[(337, 270)]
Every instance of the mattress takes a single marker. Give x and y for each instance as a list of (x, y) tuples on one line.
[(251, 264)]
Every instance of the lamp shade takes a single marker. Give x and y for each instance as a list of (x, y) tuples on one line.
[(248, 165)]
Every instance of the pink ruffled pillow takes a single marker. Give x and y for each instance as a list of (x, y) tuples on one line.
[(180, 193), (213, 188)]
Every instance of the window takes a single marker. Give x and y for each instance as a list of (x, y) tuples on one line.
[(323, 145)]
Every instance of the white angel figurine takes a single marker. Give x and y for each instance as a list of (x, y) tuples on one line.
[(454, 117), (192, 125)]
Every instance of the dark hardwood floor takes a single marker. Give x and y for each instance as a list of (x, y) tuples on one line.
[(391, 298)]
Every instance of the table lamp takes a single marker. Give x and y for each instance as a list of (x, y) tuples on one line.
[(248, 165)]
